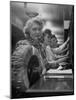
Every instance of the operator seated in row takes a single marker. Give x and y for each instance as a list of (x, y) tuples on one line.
[(55, 54)]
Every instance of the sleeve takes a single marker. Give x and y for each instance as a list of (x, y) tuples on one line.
[(60, 48), (19, 60), (49, 54)]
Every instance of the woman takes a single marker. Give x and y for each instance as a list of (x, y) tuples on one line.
[(54, 54), (26, 59)]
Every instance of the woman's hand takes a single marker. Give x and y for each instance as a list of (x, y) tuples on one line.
[(43, 71), (68, 39)]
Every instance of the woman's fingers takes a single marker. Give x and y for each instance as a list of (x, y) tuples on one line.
[(44, 71), (68, 39)]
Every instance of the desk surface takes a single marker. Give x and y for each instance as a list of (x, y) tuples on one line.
[(55, 71), (52, 85)]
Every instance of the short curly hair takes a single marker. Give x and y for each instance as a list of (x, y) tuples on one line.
[(29, 23), (47, 31)]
